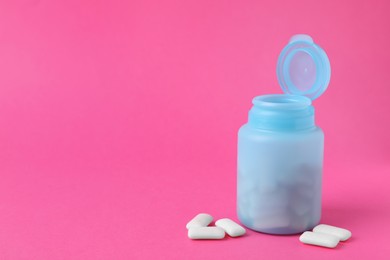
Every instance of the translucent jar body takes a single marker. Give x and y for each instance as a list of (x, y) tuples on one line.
[(280, 158)]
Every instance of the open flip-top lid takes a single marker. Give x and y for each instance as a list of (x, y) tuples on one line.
[(303, 68)]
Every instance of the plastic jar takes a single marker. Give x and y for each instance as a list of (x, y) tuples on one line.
[(280, 149)]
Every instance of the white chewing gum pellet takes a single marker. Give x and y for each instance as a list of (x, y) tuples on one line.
[(206, 233), (200, 220), (319, 239), (341, 233), (230, 227)]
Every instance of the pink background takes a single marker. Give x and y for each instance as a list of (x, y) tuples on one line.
[(118, 124)]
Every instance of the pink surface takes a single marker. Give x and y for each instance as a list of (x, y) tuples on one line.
[(118, 124)]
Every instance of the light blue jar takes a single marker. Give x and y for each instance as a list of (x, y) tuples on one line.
[(280, 149)]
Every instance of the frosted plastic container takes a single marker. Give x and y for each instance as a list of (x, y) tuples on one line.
[(280, 149)]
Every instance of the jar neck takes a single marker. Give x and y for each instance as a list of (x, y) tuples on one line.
[(281, 112)]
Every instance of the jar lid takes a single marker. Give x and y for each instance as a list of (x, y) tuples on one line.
[(303, 68)]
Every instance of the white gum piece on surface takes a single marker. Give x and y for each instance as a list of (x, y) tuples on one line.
[(200, 220), (206, 233), (231, 228), (341, 233), (319, 239)]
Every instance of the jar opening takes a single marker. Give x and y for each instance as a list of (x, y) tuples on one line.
[(283, 101)]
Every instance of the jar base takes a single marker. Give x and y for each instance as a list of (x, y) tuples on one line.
[(288, 230)]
